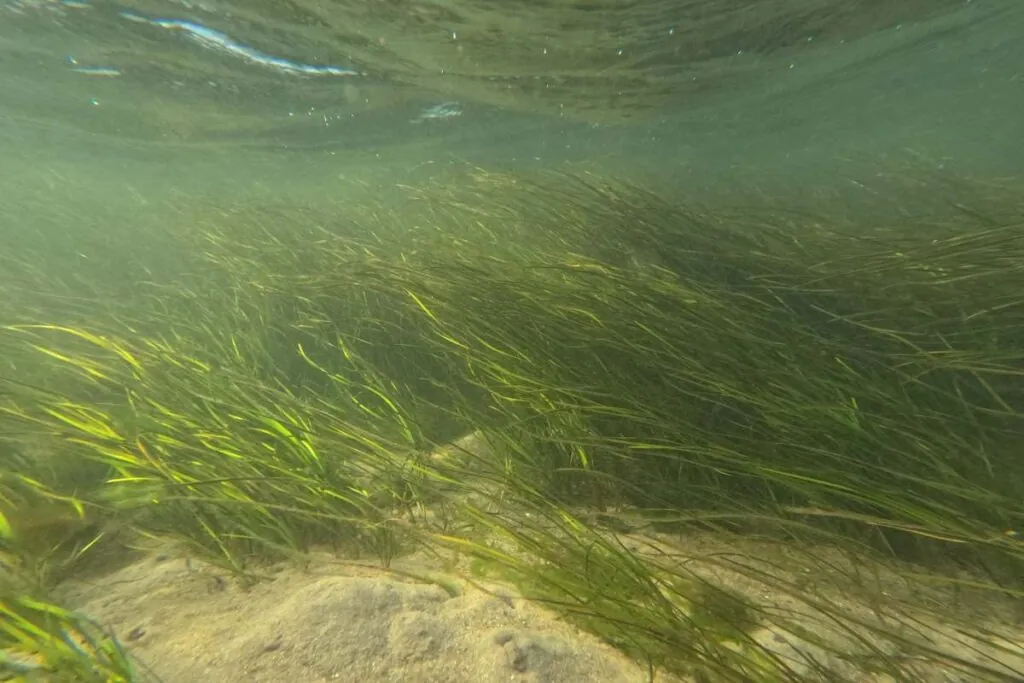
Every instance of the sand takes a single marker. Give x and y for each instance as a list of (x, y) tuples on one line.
[(421, 621), (187, 622), (330, 620)]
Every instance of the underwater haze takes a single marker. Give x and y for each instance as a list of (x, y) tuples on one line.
[(550, 341), (297, 92)]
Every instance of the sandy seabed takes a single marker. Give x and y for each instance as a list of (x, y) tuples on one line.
[(187, 622)]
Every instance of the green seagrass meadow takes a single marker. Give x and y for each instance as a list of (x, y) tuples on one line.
[(518, 373)]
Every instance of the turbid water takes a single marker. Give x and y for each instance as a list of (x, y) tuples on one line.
[(892, 86)]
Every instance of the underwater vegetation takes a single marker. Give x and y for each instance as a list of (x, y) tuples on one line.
[(563, 382)]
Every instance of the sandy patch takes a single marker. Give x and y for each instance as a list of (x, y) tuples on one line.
[(188, 623)]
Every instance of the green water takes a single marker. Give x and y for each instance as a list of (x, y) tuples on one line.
[(184, 118)]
